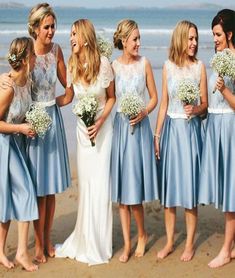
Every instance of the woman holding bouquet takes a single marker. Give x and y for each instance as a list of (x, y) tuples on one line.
[(90, 76), (17, 194), (217, 175), (133, 165), (178, 139), (48, 156)]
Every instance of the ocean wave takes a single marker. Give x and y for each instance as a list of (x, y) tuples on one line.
[(101, 30)]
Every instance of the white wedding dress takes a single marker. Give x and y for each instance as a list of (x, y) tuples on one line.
[(91, 240)]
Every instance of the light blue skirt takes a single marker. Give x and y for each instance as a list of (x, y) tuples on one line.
[(17, 193), (217, 183), (179, 165), (48, 157), (133, 163)]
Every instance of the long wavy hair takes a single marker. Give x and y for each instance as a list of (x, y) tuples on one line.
[(179, 43), (86, 30)]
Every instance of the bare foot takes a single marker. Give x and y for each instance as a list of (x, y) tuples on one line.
[(50, 250), (167, 250), (125, 255), (40, 257), (187, 254), (233, 254), (25, 262), (220, 260), (140, 249), (4, 261)]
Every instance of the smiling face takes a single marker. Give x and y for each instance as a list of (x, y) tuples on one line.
[(192, 42), (132, 44), (219, 38), (46, 30), (76, 41)]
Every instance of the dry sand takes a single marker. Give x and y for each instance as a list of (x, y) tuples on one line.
[(208, 242)]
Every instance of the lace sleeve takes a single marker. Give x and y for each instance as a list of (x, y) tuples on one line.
[(106, 73)]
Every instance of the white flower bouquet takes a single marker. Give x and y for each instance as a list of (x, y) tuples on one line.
[(223, 62), (105, 47), (39, 119), (188, 92), (86, 108), (131, 105)]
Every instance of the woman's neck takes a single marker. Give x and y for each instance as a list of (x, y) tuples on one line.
[(40, 48), (19, 77), (128, 59)]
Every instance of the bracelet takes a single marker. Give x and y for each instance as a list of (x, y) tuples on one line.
[(157, 136)]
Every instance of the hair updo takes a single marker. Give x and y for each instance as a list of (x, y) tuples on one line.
[(124, 29), (19, 50), (36, 16)]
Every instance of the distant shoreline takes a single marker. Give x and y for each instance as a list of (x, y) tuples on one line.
[(16, 5)]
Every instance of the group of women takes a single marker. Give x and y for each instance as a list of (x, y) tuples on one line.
[(122, 167)]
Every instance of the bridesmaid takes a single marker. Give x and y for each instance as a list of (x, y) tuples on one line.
[(178, 140), (17, 194), (48, 157), (218, 159), (133, 165)]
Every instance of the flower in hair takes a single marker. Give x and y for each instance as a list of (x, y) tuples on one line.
[(12, 57)]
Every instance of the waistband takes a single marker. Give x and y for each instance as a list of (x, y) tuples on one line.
[(179, 115), (45, 103), (220, 110)]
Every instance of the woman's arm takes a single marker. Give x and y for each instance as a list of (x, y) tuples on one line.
[(162, 112), (152, 90), (226, 92), (111, 98), (66, 98), (61, 68)]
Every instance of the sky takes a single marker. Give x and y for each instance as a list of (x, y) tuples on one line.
[(115, 3)]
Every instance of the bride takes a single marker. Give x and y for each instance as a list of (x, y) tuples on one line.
[(90, 73)]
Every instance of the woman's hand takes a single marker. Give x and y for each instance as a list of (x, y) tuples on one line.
[(157, 146), (139, 117), (189, 110), (27, 130), (220, 84), (5, 81), (94, 129)]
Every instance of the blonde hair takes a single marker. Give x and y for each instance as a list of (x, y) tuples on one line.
[(19, 50), (179, 43), (36, 16), (124, 29), (86, 30)]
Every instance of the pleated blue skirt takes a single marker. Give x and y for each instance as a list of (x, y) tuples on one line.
[(17, 193), (48, 157), (217, 183), (133, 163), (179, 164)]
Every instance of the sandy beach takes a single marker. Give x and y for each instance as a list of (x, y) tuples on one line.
[(209, 239)]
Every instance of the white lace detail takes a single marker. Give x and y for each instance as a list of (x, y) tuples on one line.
[(106, 74)]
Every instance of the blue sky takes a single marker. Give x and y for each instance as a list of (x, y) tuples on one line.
[(115, 3)]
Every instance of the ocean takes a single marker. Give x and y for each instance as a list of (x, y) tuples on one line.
[(155, 26)]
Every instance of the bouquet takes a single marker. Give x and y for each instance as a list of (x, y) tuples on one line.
[(39, 119), (188, 92), (223, 63), (131, 105), (105, 47), (86, 109)]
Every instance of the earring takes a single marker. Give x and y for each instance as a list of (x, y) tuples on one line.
[(85, 44)]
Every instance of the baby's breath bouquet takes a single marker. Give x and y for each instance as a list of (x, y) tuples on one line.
[(105, 47), (131, 105), (188, 92), (223, 62), (86, 108), (39, 119)]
